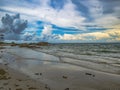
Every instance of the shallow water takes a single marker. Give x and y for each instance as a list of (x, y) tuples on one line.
[(58, 54), (51, 66), (51, 69)]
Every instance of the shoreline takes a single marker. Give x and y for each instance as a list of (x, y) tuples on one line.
[(11, 79), (49, 73)]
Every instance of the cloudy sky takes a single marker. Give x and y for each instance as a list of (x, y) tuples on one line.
[(60, 20)]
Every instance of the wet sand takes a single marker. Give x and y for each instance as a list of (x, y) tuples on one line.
[(11, 79), (43, 71)]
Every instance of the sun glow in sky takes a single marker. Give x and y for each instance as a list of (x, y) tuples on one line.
[(60, 20)]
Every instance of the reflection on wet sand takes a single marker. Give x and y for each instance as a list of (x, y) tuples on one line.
[(68, 74)]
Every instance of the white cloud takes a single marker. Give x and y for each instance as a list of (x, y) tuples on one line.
[(66, 17), (47, 30), (46, 35), (108, 35), (107, 21), (30, 36)]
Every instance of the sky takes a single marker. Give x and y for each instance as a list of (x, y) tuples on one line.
[(60, 20)]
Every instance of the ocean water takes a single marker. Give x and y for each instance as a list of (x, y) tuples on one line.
[(98, 56), (90, 49), (103, 57)]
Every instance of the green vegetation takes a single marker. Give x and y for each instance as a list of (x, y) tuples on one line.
[(33, 45), (3, 74), (28, 45)]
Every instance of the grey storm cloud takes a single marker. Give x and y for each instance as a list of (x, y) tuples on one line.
[(12, 26), (110, 5)]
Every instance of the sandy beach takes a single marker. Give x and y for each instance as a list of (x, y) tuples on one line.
[(11, 79), (38, 69)]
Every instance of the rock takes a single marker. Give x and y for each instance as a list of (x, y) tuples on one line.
[(65, 77), (67, 89), (36, 73), (40, 73), (89, 74)]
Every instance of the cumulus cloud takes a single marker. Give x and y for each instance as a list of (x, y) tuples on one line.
[(30, 36), (46, 35), (12, 26), (47, 30), (108, 35)]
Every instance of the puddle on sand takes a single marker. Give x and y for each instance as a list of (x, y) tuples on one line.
[(31, 61), (33, 66), (48, 69), (49, 72), (31, 54)]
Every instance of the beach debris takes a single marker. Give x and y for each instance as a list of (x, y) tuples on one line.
[(19, 89), (67, 89), (38, 73), (16, 85), (65, 77), (19, 80), (93, 75), (27, 85), (6, 64), (89, 74), (46, 86), (3, 75), (5, 83), (2, 72), (1, 88), (32, 88), (1, 51)]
